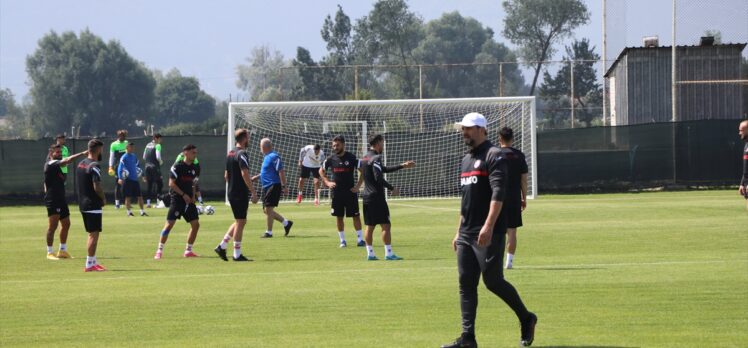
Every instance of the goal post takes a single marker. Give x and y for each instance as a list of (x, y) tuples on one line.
[(416, 129)]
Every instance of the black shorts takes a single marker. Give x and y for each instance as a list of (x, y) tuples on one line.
[(131, 189), (239, 207), (513, 212), (179, 209), (344, 204), (271, 195), (57, 208), (153, 173), (376, 212), (306, 171), (92, 222)]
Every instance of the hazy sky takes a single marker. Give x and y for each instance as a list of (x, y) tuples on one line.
[(208, 39)]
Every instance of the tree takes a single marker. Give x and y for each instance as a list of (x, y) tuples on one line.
[(266, 75), (454, 39), (180, 99), (337, 35), (388, 36), (555, 91), (15, 121), (536, 25), (82, 81)]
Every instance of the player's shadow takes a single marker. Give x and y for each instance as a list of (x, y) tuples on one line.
[(134, 270), (287, 260), (585, 347), (558, 269), (304, 236)]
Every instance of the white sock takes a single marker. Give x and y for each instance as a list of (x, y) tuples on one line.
[(142, 211), (188, 248), (341, 234), (129, 211), (370, 250), (225, 241), (269, 232), (200, 199), (387, 250), (285, 222), (237, 249), (161, 246), (509, 258), (116, 202), (63, 247), (359, 235), (95, 261), (148, 201), (90, 261), (50, 249)]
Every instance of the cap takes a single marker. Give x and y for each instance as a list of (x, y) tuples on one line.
[(472, 119)]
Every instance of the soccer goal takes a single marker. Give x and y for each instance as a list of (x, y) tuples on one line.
[(420, 130)]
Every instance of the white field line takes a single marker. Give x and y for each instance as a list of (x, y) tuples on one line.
[(516, 268)]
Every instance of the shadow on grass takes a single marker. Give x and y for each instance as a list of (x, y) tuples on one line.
[(556, 269), (133, 270), (585, 347)]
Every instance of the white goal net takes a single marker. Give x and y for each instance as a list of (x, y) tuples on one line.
[(420, 130)]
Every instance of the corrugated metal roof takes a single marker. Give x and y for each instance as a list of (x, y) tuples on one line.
[(627, 49)]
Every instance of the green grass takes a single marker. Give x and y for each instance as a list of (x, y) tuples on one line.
[(619, 270)]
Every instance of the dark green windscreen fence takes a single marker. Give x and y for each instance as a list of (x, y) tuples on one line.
[(612, 158), (704, 153)]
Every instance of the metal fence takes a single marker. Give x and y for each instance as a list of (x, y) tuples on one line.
[(702, 153)]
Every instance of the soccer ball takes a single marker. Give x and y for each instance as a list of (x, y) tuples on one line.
[(125, 173), (210, 210), (200, 210)]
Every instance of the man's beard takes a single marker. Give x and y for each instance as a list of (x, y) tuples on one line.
[(340, 153), (59, 157), (469, 141)]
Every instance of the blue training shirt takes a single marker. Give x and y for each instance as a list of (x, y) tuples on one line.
[(130, 162), (271, 166)]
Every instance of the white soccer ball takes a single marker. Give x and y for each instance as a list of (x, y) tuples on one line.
[(125, 173), (210, 210), (200, 210)]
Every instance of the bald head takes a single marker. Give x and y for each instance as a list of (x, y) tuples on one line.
[(266, 145), (743, 130)]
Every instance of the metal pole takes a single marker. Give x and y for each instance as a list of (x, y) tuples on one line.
[(501, 80), (355, 82), (571, 94), (674, 98), (673, 71), (420, 93), (605, 65)]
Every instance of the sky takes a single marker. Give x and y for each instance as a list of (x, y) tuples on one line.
[(208, 39)]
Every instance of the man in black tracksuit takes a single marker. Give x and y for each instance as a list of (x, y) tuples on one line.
[(743, 132), (479, 241), (376, 211)]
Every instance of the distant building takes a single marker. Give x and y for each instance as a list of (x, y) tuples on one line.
[(639, 82)]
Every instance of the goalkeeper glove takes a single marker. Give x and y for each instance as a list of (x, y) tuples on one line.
[(111, 171)]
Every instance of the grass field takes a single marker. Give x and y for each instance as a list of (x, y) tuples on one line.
[(613, 270)]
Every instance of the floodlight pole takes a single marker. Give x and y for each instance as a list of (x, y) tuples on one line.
[(605, 65), (674, 96)]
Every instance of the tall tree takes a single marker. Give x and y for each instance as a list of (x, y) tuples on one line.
[(337, 34), (179, 99), (556, 91), (266, 76), (388, 35), (79, 80), (454, 39), (536, 25)]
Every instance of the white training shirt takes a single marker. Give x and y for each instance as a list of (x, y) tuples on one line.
[(309, 159)]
